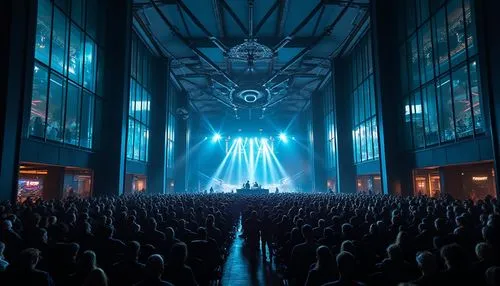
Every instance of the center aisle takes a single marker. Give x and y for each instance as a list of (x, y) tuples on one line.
[(246, 267)]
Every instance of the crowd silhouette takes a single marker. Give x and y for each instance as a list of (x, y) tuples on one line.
[(313, 239)]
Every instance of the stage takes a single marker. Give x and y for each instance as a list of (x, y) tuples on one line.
[(255, 191)]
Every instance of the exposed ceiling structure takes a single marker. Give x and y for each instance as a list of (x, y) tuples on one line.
[(253, 57)]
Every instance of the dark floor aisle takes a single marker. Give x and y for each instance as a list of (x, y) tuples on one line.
[(245, 267)]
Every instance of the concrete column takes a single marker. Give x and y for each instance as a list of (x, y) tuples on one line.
[(180, 148), (488, 41), (395, 164), (110, 159), (318, 118), (157, 166), (346, 173), (17, 27)]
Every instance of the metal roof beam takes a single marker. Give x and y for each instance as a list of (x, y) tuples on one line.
[(266, 16), (190, 45), (295, 59), (234, 16), (198, 23)]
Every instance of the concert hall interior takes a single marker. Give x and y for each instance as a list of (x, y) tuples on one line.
[(249, 142)]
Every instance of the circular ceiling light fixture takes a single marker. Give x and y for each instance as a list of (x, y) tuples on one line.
[(250, 95)]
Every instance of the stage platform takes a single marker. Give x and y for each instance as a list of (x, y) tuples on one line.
[(252, 191)]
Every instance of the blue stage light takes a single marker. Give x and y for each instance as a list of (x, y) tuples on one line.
[(283, 137), (216, 137), (240, 140)]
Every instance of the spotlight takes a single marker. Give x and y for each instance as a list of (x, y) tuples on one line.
[(240, 139), (263, 140), (283, 137), (216, 137), (206, 138)]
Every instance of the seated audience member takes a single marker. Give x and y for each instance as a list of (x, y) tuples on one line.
[(177, 272), (96, 277), (492, 276), (394, 268), (485, 259), (154, 271), (303, 255), (86, 263), (25, 272), (456, 266), (129, 270), (346, 264), (427, 263), (324, 270), (3, 263)]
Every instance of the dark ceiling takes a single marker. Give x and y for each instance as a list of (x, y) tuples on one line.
[(286, 51)]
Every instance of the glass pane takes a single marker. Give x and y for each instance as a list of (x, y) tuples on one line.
[(55, 113), (366, 86), (63, 5), (461, 103), (143, 143), (355, 107), (403, 73), (424, 10), (456, 31), (430, 116), (417, 120), (447, 126), (131, 103), (137, 101), (59, 42), (362, 137), (75, 54), (137, 140), (38, 102), (375, 137), (72, 122), (90, 65), (476, 97), (43, 30), (130, 139), (96, 142), (93, 12), (373, 97), (100, 72), (87, 123), (413, 63), (440, 42), (361, 104), (410, 16), (470, 26), (407, 123), (78, 11), (369, 139), (426, 60)]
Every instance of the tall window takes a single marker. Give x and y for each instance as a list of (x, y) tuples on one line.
[(364, 121), (442, 98), (66, 88), (139, 101), (329, 126), (172, 94)]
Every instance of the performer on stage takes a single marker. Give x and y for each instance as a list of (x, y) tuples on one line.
[(255, 185), (247, 185)]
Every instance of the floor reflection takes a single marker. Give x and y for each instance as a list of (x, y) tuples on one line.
[(245, 266)]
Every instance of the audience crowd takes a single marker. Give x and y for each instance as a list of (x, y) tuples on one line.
[(314, 239), (128, 240)]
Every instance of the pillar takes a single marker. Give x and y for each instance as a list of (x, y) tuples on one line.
[(395, 163), (17, 27), (342, 104), (157, 166), (489, 61), (110, 158)]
